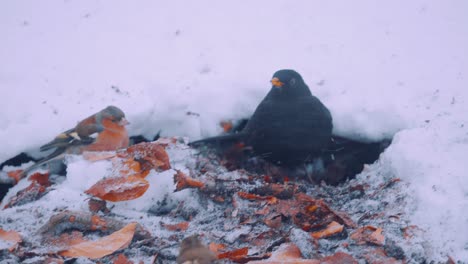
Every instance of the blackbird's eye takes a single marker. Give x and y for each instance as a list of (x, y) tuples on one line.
[(292, 82)]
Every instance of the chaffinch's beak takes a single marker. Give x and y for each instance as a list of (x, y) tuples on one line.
[(123, 122)]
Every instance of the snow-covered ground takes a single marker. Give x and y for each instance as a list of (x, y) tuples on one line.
[(383, 68)]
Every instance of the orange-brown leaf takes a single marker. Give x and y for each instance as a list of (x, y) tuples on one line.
[(250, 196), (153, 153), (117, 189), (11, 239), (287, 253), (234, 254), (177, 227), (183, 182), (130, 167), (216, 248), (332, 229), (41, 178), (339, 258), (122, 259), (369, 234), (104, 246), (66, 240), (96, 205), (16, 175)]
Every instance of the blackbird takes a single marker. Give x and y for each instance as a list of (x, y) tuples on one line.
[(289, 127)]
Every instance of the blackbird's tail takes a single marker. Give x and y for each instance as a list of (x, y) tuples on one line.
[(219, 140)]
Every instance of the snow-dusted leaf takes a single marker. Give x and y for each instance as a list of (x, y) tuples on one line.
[(182, 226), (234, 255), (332, 229), (250, 196), (369, 234), (104, 246), (183, 181), (122, 259), (9, 239), (152, 153), (117, 189), (287, 253)]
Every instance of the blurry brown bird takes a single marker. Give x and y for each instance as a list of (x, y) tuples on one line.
[(192, 251), (103, 131)]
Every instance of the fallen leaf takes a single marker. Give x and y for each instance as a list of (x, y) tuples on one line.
[(11, 239), (130, 167), (65, 240), (117, 189), (183, 181), (29, 194), (96, 205), (41, 178), (104, 246), (216, 248), (16, 175), (378, 256), (151, 152), (122, 259), (287, 253), (176, 227), (368, 234), (234, 255), (339, 258), (332, 229), (249, 196)]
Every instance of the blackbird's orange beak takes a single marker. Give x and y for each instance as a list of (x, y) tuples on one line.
[(276, 82)]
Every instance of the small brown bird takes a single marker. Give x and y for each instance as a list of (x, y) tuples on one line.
[(192, 251), (103, 131)]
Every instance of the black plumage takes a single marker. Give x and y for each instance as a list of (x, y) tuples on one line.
[(290, 126)]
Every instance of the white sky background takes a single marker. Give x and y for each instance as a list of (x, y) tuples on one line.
[(383, 66)]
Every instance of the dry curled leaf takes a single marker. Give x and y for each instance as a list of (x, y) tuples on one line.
[(379, 256), (96, 205), (177, 227), (234, 255), (332, 229), (40, 178), (217, 248), (287, 253), (29, 194), (250, 196), (9, 239), (104, 246), (150, 152), (369, 234), (183, 182), (117, 189), (15, 175), (339, 258), (121, 259)]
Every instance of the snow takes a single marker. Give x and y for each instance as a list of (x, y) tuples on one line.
[(388, 68)]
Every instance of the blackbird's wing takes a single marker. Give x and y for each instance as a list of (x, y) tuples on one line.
[(290, 127)]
